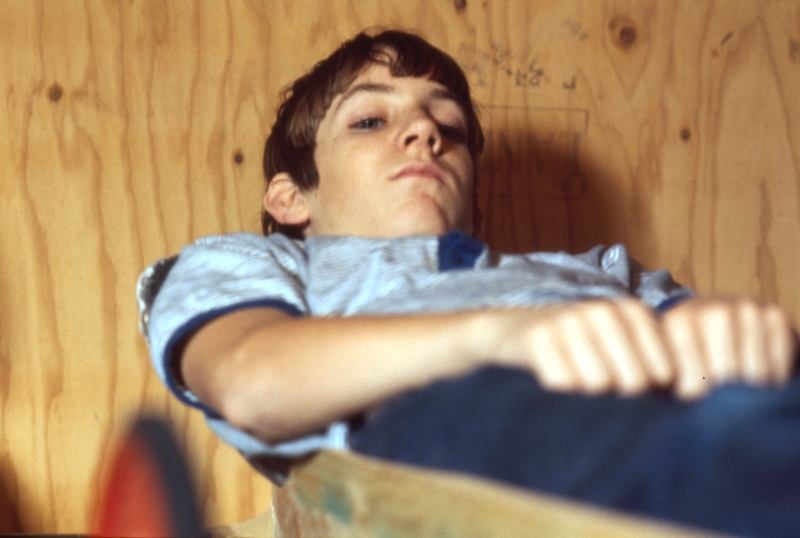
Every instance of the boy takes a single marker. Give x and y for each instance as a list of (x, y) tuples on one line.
[(373, 317)]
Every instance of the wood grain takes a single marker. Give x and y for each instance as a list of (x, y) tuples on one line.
[(672, 126), (343, 495)]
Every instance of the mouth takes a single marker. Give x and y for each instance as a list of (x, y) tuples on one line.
[(420, 170)]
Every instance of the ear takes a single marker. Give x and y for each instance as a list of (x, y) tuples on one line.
[(285, 202)]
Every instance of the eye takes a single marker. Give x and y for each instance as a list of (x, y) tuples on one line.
[(368, 124), (455, 133)]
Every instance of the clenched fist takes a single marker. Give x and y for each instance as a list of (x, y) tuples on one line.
[(715, 341), (622, 346)]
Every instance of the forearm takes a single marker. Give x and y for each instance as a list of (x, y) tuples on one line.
[(280, 378)]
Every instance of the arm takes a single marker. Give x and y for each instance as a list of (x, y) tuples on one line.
[(280, 377), (712, 341), (717, 340)]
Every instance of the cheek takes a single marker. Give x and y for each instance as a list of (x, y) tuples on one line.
[(466, 169)]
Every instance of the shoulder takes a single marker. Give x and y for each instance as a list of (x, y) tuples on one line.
[(244, 245), (223, 270), (239, 255), (220, 254)]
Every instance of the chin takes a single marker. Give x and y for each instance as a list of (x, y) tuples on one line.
[(424, 224), (426, 217)]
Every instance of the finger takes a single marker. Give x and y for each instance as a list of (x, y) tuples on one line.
[(647, 339), (583, 353), (781, 345), (549, 361), (717, 343), (690, 370), (756, 366), (613, 331)]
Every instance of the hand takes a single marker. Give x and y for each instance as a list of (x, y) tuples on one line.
[(593, 347), (714, 341)]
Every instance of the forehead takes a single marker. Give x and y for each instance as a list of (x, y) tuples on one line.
[(376, 78), (381, 70)]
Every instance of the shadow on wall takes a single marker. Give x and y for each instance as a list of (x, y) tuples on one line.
[(537, 190), (9, 514)]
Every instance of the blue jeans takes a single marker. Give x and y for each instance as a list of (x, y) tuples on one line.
[(729, 462)]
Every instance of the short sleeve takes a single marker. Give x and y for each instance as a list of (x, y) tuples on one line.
[(214, 276), (655, 288), (211, 277)]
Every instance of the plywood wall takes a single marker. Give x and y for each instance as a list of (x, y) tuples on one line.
[(130, 128)]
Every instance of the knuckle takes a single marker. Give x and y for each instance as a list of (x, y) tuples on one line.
[(777, 317)]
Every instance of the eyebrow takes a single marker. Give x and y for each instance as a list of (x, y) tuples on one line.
[(371, 87)]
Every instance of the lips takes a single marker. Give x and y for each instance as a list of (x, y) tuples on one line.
[(420, 170)]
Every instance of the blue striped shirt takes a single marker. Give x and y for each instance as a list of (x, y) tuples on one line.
[(345, 276)]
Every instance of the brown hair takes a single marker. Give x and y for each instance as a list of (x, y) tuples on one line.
[(290, 146)]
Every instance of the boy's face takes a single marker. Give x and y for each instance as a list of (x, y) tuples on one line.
[(392, 160)]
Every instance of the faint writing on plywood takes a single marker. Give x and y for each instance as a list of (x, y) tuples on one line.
[(481, 64), (523, 69)]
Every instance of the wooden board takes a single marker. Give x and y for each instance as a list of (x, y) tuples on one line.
[(131, 128), (344, 495)]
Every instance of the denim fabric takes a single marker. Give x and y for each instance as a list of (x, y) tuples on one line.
[(729, 462)]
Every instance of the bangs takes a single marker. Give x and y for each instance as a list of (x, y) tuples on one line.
[(406, 60)]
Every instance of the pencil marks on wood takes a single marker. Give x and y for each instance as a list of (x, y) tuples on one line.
[(522, 70)]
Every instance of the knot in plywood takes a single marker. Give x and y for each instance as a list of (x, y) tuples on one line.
[(55, 93), (624, 32)]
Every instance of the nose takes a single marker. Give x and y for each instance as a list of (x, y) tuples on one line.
[(423, 130)]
